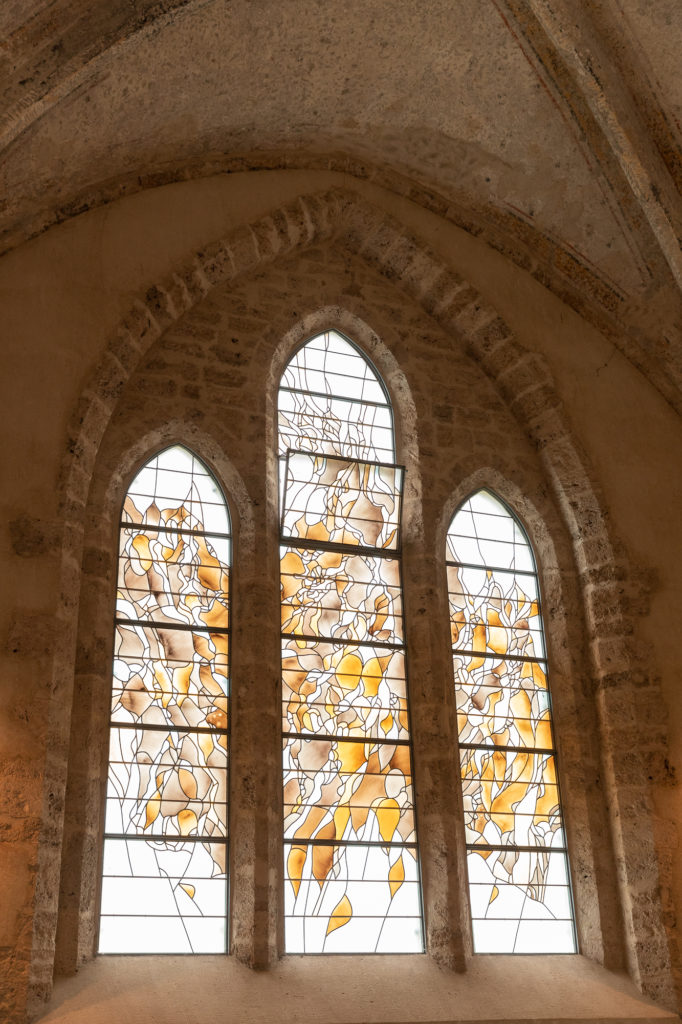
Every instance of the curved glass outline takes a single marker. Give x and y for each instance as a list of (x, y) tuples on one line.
[(520, 891), (340, 517), (165, 858)]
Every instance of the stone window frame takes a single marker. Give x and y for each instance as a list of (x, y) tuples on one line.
[(256, 931), (631, 925)]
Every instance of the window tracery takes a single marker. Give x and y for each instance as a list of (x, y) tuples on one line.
[(164, 883), (517, 858), (351, 865), (351, 862)]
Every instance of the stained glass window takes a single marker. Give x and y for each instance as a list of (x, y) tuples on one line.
[(517, 860), (164, 886), (351, 866)]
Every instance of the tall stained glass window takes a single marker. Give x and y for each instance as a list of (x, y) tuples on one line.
[(164, 887), (350, 847), (516, 849)]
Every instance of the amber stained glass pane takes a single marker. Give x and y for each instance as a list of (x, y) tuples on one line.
[(342, 595), (341, 501)]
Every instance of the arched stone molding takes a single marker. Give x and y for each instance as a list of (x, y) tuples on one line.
[(542, 255), (525, 384), (89, 714), (443, 869), (574, 712)]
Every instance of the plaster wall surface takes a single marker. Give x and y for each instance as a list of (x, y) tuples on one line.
[(63, 296)]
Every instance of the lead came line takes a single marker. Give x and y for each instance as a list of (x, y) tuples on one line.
[(519, 879), (340, 892)]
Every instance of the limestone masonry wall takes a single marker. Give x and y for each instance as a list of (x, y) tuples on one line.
[(189, 349)]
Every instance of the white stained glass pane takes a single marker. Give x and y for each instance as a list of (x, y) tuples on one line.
[(526, 936), (160, 897), (216, 520), (360, 935), (330, 364), (207, 934), (494, 936), (176, 477), (179, 459), (143, 935), (145, 481), (484, 532), (161, 935), (545, 937)]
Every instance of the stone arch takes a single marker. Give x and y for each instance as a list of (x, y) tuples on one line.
[(525, 384), (574, 714), (78, 893)]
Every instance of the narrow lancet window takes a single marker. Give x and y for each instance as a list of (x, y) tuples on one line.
[(164, 887), (516, 849), (350, 848)]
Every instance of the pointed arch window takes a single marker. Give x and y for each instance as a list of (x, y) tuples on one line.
[(351, 865), (517, 859), (164, 883)]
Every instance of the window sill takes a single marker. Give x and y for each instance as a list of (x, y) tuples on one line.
[(339, 990)]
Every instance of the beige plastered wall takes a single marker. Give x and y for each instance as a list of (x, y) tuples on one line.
[(63, 294)]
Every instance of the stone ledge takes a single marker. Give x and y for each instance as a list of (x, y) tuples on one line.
[(339, 989)]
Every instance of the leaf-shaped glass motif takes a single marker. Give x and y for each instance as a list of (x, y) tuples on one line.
[(164, 887), (518, 863), (351, 868)]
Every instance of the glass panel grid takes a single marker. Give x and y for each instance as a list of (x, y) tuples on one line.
[(351, 867), (519, 883), (331, 401), (164, 887)]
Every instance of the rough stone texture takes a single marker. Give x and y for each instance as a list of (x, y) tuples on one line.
[(229, 346), (196, 357)]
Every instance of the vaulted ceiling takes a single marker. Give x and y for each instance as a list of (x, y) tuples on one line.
[(551, 128)]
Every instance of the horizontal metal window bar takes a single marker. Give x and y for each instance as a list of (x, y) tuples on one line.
[(335, 398), (342, 641), (342, 458), (135, 837), (492, 568), (343, 450), (134, 659), (492, 656), (366, 372), (509, 747), (347, 842), (349, 519), (485, 596), (161, 528), (159, 917), (322, 737), (518, 849), (153, 727), (223, 630), (350, 549), (483, 539)]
